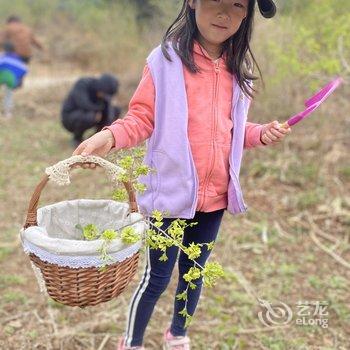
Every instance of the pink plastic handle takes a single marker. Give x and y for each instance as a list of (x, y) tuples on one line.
[(324, 92), (298, 117), (315, 101)]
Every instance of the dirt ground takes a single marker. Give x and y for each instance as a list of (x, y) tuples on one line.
[(292, 246)]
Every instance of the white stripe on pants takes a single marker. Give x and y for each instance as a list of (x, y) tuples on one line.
[(137, 296)]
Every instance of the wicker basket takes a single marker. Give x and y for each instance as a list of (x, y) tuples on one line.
[(82, 286)]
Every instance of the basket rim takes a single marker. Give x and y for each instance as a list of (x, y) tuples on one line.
[(66, 240), (84, 261), (88, 199)]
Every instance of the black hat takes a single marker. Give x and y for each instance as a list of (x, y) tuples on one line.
[(108, 84), (267, 8)]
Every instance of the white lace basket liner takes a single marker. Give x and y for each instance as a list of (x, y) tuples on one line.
[(56, 240)]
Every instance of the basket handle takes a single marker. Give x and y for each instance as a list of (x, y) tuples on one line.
[(59, 173)]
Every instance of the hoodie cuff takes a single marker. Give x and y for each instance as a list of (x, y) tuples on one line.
[(254, 135), (119, 134), (261, 133)]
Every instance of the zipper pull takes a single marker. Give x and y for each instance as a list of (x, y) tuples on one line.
[(216, 66)]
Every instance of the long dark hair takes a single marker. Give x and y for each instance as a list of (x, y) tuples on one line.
[(240, 59)]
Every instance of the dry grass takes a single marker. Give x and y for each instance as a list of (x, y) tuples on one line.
[(292, 245), (294, 189)]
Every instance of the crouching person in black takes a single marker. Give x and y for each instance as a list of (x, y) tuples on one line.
[(88, 105)]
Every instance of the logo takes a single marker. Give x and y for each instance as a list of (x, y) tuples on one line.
[(309, 313), (274, 314)]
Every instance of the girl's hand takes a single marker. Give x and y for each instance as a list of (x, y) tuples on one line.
[(98, 144), (273, 133)]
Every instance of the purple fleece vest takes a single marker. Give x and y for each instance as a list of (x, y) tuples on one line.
[(174, 187)]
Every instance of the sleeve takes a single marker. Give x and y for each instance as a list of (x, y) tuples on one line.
[(81, 97), (253, 133), (252, 136), (138, 123)]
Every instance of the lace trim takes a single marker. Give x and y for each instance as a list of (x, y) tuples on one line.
[(59, 172), (80, 261)]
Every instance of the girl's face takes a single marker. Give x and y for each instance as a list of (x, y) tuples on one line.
[(218, 20)]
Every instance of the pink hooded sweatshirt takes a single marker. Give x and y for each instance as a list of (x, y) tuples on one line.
[(209, 96)]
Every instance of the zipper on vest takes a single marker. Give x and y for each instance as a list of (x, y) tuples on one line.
[(212, 161)]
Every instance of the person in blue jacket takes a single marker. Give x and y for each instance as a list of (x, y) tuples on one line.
[(12, 71)]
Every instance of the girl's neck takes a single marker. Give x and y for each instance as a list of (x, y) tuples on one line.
[(214, 50)]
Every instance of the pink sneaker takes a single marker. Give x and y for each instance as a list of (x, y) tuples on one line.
[(175, 343), (121, 346)]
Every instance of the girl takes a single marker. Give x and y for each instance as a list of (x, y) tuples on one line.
[(191, 105)]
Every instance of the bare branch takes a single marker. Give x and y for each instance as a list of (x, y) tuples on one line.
[(344, 62), (104, 342), (329, 251)]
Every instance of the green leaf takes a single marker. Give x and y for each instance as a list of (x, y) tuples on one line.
[(139, 187), (126, 162), (188, 320), (128, 235), (210, 245), (211, 272), (163, 257), (120, 194), (192, 274), (109, 235), (156, 214), (182, 296), (90, 232), (192, 285), (183, 312), (79, 227), (193, 251)]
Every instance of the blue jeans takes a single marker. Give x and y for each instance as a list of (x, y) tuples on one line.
[(157, 276)]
